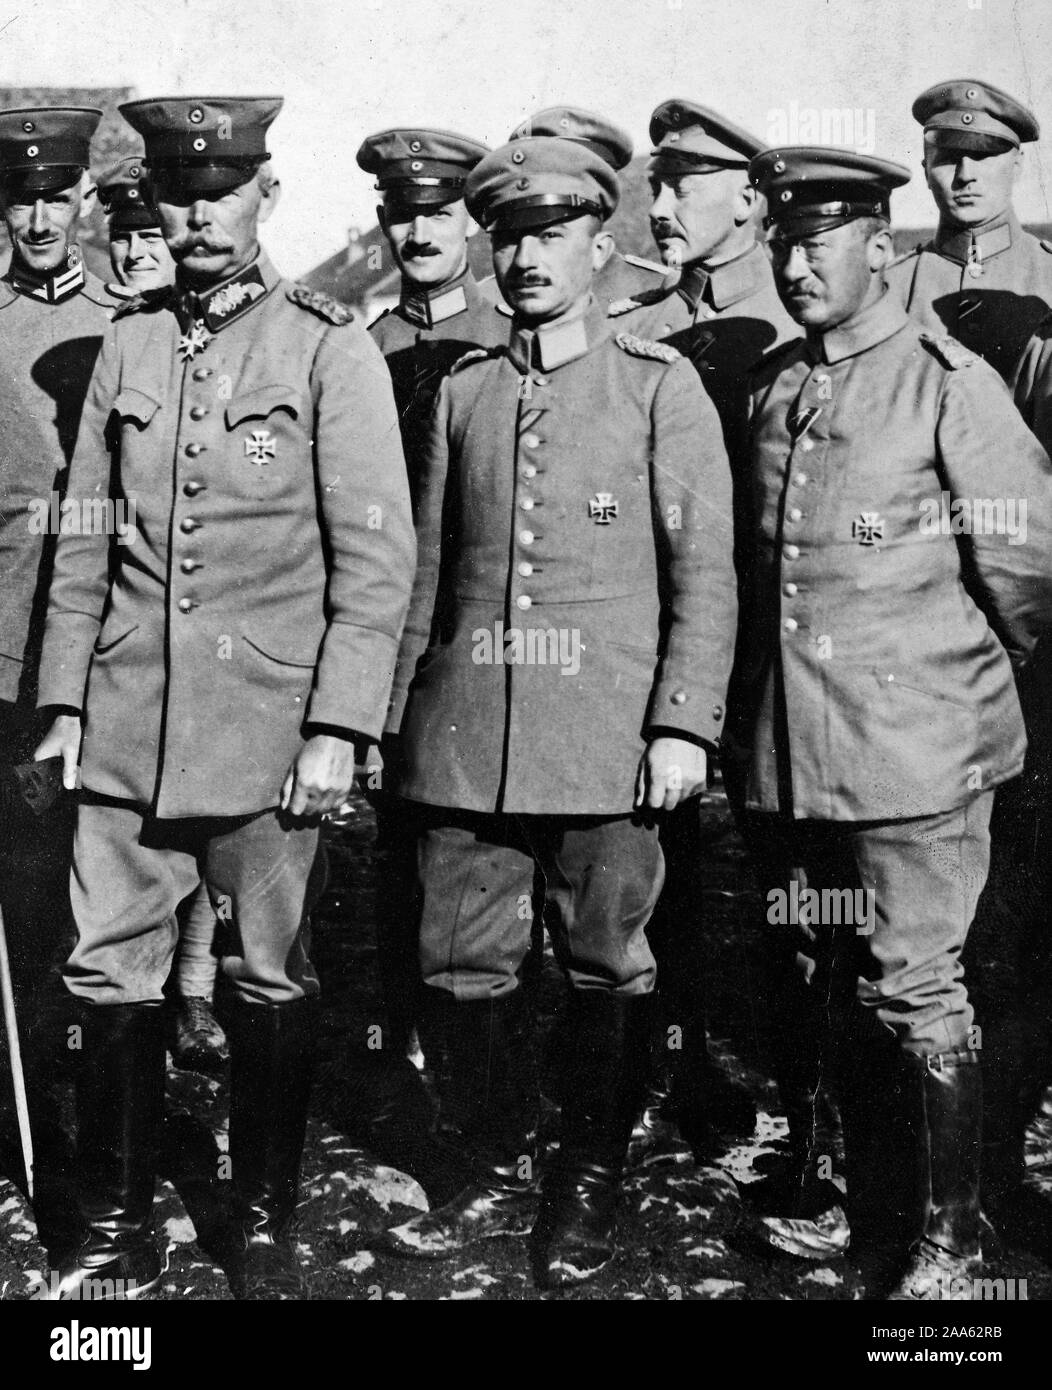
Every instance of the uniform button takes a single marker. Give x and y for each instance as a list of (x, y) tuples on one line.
[(527, 504), (192, 451), (795, 514), (188, 524), (800, 479), (526, 537), (790, 590), (524, 601), (188, 566), (529, 471), (532, 441), (717, 711), (790, 624), (791, 552), (198, 412), (186, 605), (542, 380), (678, 697), (202, 373), (525, 568), (193, 487), (807, 445)]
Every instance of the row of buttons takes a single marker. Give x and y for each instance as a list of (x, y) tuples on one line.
[(192, 488)]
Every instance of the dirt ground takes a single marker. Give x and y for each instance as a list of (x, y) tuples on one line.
[(685, 1234)]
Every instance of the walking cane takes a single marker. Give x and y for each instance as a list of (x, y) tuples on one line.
[(18, 1080)]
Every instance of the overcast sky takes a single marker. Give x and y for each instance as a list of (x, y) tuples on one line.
[(348, 67)]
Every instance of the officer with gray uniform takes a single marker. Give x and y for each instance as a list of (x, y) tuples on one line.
[(989, 283), (562, 674), (877, 708), (223, 665), (53, 315)]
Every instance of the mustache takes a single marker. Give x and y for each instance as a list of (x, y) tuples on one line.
[(527, 281), (411, 250), (185, 245)]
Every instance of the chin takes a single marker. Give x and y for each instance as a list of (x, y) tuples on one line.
[(45, 263)]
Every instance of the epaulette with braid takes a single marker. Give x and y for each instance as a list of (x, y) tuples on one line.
[(321, 304), (148, 300), (475, 355), (644, 347), (948, 350)]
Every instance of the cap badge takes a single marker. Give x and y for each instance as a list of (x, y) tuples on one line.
[(517, 157), (196, 115), (603, 508), (28, 126), (32, 151)]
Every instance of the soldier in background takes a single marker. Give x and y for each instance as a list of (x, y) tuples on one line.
[(53, 315), (722, 313), (989, 283), (224, 666), (877, 709), (139, 255), (561, 678), (441, 314)]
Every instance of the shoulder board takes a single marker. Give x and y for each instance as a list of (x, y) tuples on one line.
[(948, 350), (475, 355), (773, 355), (1046, 246), (644, 264), (617, 307), (321, 304), (643, 347), (149, 299)]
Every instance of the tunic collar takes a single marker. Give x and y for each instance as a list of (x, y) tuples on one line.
[(553, 345), (972, 248), (221, 305), (48, 289), (426, 307), (723, 285), (868, 328)]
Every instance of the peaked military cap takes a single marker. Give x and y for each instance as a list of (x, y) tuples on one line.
[(812, 188), (428, 167), (539, 180), (609, 141), (205, 143), (969, 113), (692, 139), (126, 196), (46, 147)]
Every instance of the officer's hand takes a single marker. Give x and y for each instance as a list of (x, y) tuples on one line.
[(670, 770), (62, 740), (320, 778)]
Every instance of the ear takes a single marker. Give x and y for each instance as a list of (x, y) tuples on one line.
[(746, 203), (269, 200), (471, 229), (880, 249), (1017, 166), (602, 249), (89, 196)]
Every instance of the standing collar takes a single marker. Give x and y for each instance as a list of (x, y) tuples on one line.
[(868, 328), (425, 307), (724, 284), (553, 345), (48, 289), (220, 305), (963, 245)]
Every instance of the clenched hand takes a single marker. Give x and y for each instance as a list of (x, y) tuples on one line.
[(320, 778), (670, 770)]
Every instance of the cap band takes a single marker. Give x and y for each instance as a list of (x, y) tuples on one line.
[(826, 216), (525, 209)]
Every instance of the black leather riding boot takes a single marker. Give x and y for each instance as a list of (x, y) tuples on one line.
[(271, 1068), (947, 1258), (575, 1234), (120, 1107), (489, 1101)]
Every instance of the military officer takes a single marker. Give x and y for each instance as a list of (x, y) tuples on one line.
[(989, 283), (53, 314), (561, 678), (878, 708), (722, 312), (982, 278), (223, 671), (623, 275), (139, 255)]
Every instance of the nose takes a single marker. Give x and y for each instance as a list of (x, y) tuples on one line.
[(662, 207), (965, 170), (200, 214), (791, 265), (421, 230), (39, 221), (135, 247), (526, 252)]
